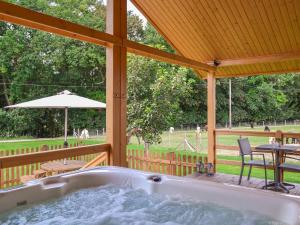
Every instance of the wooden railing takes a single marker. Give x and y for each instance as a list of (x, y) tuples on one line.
[(36, 149), (170, 163), (282, 137), (12, 167)]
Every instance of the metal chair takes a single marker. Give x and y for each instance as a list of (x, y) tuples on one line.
[(245, 150), (290, 166)]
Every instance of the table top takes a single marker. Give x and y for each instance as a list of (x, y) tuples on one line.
[(58, 166), (277, 147)]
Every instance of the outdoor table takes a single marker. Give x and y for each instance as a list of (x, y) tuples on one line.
[(279, 150), (60, 166)]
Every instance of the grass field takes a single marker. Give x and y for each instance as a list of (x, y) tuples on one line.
[(38, 143), (171, 142)]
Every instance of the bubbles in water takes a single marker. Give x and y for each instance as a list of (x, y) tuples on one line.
[(111, 205)]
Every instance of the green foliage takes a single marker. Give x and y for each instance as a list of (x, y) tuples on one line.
[(135, 28), (35, 64), (154, 95), (259, 98)]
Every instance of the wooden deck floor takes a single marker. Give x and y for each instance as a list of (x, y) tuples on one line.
[(233, 179)]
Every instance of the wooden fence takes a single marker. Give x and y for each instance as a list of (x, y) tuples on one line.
[(170, 163), (17, 163), (282, 136)]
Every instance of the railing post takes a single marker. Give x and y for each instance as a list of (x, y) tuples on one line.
[(1, 171), (172, 158), (279, 138), (1, 186)]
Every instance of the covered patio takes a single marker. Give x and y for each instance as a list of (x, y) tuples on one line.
[(217, 39)]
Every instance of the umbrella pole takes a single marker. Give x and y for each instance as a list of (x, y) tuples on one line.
[(66, 128)]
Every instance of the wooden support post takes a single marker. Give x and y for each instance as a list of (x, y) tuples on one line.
[(1, 177), (116, 98), (211, 118), (279, 138)]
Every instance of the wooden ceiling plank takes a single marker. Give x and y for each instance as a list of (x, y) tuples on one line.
[(199, 38), (213, 31), (234, 22), (297, 21), (169, 29), (276, 23), (160, 31), (229, 36), (288, 65), (250, 17), (280, 11), (285, 65), (239, 69), (182, 32), (273, 66), (234, 30), (149, 19), (207, 31), (293, 8), (236, 9), (192, 38), (266, 31)]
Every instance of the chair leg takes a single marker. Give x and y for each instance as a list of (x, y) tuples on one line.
[(249, 173), (266, 181), (241, 174)]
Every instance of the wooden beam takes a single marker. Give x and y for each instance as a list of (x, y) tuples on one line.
[(116, 82), (244, 133), (211, 118), (102, 157), (19, 15), (258, 59), (160, 55), (291, 135)]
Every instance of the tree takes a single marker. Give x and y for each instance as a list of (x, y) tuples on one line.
[(135, 29), (154, 95), (36, 64)]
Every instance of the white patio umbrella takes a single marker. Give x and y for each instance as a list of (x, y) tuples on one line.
[(63, 100)]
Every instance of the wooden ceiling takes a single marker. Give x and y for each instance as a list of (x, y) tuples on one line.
[(263, 36)]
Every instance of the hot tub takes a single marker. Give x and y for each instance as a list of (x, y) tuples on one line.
[(113, 195)]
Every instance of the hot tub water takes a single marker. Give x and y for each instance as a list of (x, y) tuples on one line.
[(114, 205)]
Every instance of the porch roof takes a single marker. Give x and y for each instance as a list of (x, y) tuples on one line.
[(245, 37)]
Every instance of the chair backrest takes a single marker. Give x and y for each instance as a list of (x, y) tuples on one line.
[(245, 147)]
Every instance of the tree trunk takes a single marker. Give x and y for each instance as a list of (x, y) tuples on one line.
[(5, 90)]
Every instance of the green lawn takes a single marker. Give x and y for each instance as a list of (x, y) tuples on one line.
[(228, 169), (172, 141), (38, 143)]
